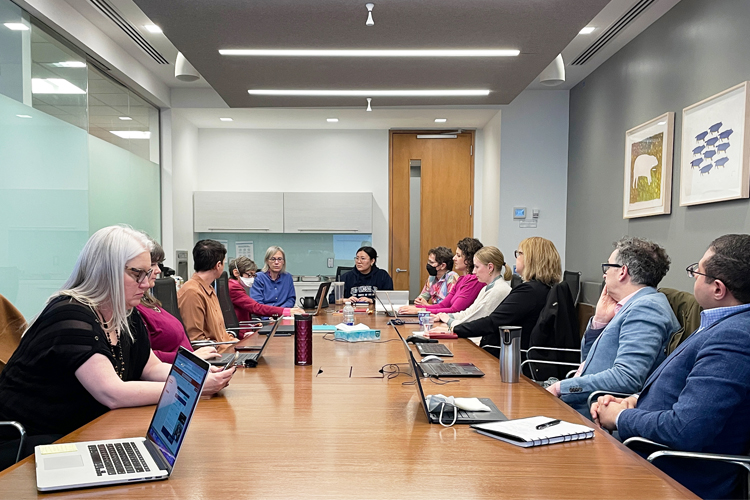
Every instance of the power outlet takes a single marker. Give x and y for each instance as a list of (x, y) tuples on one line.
[(330, 263)]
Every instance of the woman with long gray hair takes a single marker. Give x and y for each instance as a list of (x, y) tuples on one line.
[(88, 351)]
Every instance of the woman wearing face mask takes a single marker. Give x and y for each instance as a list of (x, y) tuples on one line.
[(242, 273), (489, 263), (467, 287), (442, 278), (165, 332)]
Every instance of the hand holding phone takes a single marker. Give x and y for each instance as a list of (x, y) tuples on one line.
[(232, 362)]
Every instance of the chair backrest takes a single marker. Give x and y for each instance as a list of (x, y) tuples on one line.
[(225, 301), (12, 325), (341, 271), (515, 280), (573, 279), (165, 290), (688, 313)]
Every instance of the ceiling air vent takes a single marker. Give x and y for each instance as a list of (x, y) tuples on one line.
[(612, 31), (109, 11)]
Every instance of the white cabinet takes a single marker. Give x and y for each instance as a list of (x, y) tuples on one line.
[(328, 213), (238, 212)]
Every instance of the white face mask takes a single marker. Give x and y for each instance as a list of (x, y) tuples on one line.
[(248, 282)]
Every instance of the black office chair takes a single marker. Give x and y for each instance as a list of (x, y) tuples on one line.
[(573, 279), (165, 290), (341, 271), (11, 445), (515, 280), (231, 323)]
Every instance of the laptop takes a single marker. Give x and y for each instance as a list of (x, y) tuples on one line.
[(246, 359), (118, 461), (433, 350), (395, 299), (391, 311), (462, 416), (443, 369)]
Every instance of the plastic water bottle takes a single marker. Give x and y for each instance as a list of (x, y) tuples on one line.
[(348, 314)]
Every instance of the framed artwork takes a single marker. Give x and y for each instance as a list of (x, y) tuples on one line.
[(714, 161), (648, 168)]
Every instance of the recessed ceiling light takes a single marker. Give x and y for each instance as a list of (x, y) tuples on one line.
[(226, 119), (125, 118), (662, 123), (587, 30), (370, 93), (441, 120), (69, 64), (370, 52), (132, 134), (23, 116), (332, 120), (152, 28), (54, 86), (16, 26)]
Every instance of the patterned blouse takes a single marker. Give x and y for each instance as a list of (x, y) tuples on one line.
[(435, 289)]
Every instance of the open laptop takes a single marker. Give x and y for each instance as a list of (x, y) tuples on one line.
[(246, 359), (462, 416), (117, 461), (395, 299), (443, 369), (390, 310)]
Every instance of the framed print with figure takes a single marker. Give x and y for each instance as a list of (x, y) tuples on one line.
[(648, 168)]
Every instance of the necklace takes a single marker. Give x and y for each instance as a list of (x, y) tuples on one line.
[(116, 350)]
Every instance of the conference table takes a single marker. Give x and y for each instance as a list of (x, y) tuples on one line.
[(342, 429)]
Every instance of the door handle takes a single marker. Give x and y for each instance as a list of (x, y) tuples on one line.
[(399, 270)]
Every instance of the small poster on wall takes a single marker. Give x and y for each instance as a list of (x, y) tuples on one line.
[(714, 165), (244, 249), (648, 168)]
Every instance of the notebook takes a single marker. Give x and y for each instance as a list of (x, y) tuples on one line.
[(117, 461), (524, 432), (246, 359), (462, 416)]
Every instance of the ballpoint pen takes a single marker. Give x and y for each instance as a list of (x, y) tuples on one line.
[(548, 424)]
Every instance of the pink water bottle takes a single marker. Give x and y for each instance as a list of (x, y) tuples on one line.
[(303, 339)]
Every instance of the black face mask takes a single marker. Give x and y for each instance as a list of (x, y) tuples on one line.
[(432, 271)]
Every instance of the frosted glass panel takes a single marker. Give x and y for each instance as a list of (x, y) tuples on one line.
[(43, 203), (124, 189), (306, 254)]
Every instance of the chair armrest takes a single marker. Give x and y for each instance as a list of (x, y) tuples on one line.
[(644, 445), (595, 395), (740, 460), (21, 430), (559, 349)]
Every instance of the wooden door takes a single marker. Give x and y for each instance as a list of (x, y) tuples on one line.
[(447, 192)]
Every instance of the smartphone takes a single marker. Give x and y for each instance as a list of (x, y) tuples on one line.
[(248, 347), (232, 362)]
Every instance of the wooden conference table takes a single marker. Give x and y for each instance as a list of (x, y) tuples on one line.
[(284, 431)]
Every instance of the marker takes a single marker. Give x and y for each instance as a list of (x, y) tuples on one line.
[(548, 424)]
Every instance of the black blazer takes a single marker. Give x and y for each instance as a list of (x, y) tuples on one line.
[(521, 308)]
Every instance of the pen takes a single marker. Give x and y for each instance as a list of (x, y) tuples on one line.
[(548, 424)]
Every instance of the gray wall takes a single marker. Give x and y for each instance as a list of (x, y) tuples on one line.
[(695, 50)]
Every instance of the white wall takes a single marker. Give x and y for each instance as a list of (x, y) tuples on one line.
[(184, 179), (489, 189), (297, 161), (533, 167)]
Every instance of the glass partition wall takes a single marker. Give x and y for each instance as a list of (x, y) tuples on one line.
[(78, 151)]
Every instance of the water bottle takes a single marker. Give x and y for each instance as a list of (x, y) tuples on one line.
[(303, 339), (510, 354), (348, 314)]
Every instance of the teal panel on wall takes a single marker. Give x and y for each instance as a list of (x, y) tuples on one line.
[(124, 189)]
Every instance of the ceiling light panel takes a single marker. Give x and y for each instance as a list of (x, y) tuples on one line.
[(125, 118), (332, 120), (69, 64), (132, 134), (441, 120), (587, 30), (369, 53), (371, 93), (226, 119), (16, 26), (54, 86), (152, 28)]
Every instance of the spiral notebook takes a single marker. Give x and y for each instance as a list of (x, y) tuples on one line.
[(523, 431)]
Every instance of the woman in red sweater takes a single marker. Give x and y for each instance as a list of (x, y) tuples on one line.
[(467, 287)]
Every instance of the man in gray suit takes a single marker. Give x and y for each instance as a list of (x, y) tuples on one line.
[(628, 335)]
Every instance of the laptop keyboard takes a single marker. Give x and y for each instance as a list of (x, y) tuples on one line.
[(433, 349), (117, 458), (227, 357), (442, 369)]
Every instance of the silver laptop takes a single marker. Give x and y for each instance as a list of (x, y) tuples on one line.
[(394, 300), (118, 461), (390, 310), (462, 416), (442, 369)]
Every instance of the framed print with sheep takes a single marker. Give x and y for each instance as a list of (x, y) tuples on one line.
[(714, 164), (648, 168)]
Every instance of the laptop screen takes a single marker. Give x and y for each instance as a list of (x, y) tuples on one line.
[(177, 403)]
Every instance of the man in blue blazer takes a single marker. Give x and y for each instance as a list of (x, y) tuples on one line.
[(628, 335), (699, 398)]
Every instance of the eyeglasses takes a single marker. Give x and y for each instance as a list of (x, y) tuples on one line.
[(517, 253), (139, 274), (692, 270), (607, 264), (248, 274), (362, 259), (276, 259)]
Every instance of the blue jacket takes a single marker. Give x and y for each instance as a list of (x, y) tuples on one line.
[(626, 351), (279, 293), (699, 400)]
